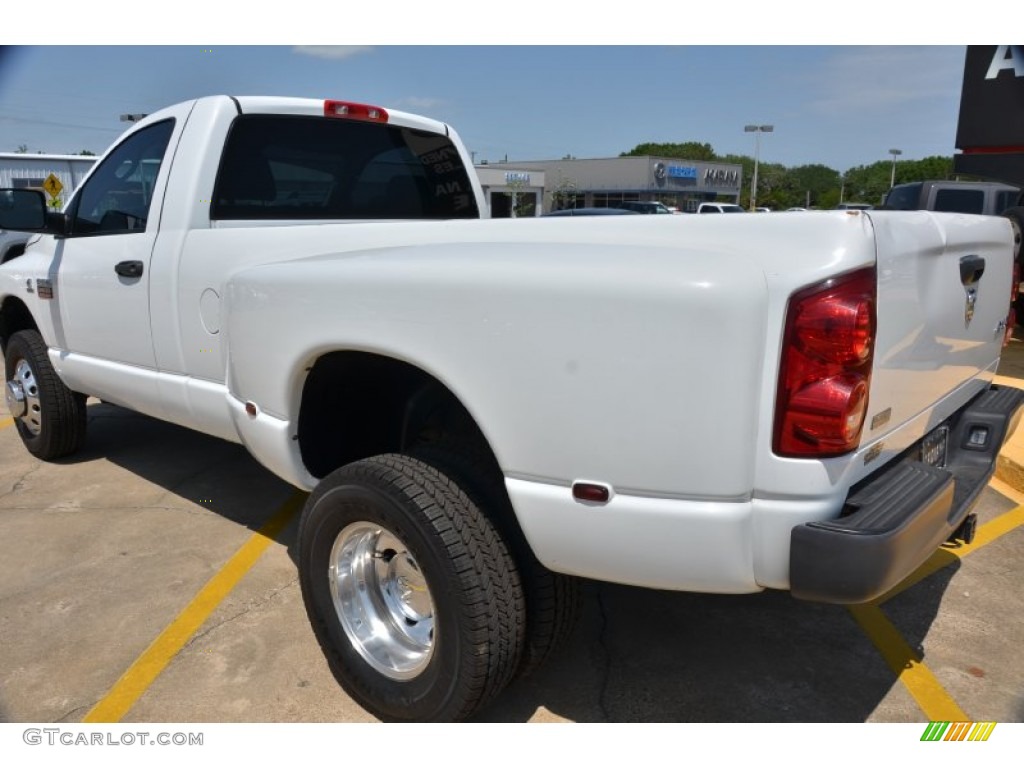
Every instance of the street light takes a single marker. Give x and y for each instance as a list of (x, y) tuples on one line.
[(757, 130), (895, 153)]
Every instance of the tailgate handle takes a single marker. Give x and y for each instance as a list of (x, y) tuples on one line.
[(129, 268), (971, 269)]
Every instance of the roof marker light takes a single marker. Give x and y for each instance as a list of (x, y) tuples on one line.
[(353, 111)]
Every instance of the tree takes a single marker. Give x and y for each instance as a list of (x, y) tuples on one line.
[(564, 194), (87, 153), (687, 150), (934, 167), (868, 183)]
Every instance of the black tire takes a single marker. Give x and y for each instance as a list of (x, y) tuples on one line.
[(395, 510), (553, 600), (53, 422)]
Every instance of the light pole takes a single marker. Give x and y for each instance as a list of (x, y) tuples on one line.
[(895, 153), (757, 130)]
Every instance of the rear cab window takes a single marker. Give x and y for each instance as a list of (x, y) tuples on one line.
[(285, 167)]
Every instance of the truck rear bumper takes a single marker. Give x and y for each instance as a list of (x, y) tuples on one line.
[(898, 517)]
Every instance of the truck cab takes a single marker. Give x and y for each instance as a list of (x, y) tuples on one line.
[(982, 197)]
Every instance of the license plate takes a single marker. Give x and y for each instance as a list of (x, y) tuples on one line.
[(933, 447)]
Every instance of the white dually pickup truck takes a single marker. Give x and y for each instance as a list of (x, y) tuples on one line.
[(486, 410)]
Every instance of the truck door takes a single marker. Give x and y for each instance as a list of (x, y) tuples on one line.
[(103, 268)]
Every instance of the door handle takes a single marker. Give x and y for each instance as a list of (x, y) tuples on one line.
[(971, 269), (129, 268)]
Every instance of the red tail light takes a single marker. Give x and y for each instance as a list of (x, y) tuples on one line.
[(354, 111), (825, 370)]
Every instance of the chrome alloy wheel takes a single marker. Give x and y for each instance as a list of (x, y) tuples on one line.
[(22, 395), (382, 600)]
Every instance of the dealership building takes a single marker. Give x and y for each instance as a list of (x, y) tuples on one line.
[(604, 182)]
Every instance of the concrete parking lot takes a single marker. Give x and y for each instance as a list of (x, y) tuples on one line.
[(151, 579)]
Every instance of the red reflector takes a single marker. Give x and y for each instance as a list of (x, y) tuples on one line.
[(353, 111), (598, 494)]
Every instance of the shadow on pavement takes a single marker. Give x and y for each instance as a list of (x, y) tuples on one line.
[(648, 656), (638, 655), (216, 474)]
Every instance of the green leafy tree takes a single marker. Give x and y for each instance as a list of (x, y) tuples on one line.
[(934, 167), (564, 193), (868, 183), (815, 181), (687, 150)]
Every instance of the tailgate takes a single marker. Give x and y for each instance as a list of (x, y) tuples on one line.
[(943, 297)]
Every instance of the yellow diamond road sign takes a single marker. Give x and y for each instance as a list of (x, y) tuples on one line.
[(52, 185)]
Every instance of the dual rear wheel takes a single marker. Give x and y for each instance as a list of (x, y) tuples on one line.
[(413, 594)]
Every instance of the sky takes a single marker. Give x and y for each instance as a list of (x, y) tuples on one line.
[(838, 105)]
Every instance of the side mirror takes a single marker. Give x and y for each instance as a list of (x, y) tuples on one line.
[(24, 210)]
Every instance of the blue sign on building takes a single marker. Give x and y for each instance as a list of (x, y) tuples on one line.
[(682, 172)]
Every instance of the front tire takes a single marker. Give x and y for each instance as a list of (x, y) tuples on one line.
[(50, 417), (411, 592)]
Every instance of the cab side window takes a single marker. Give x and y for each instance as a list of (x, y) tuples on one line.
[(116, 199)]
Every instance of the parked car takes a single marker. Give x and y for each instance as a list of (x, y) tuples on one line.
[(591, 212), (12, 244), (644, 206), (720, 208)]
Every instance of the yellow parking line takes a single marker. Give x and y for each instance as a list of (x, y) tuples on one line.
[(141, 674), (919, 681), (6, 422)]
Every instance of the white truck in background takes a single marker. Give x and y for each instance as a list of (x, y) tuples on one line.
[(485, 410)]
